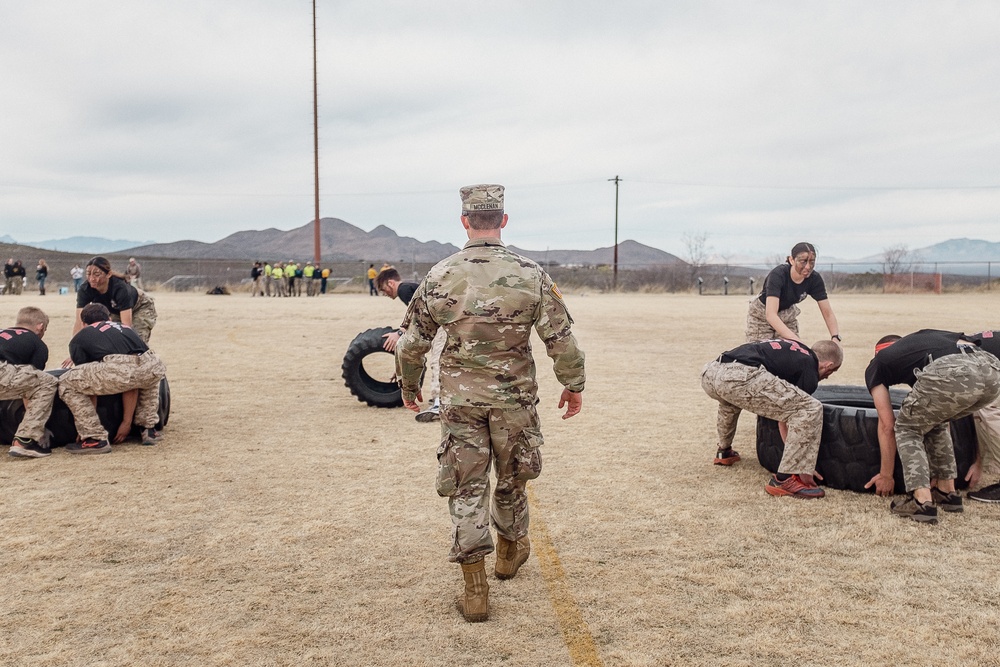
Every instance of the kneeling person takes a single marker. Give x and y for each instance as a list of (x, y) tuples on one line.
[(775, 379), (22, 357), (109, 359)]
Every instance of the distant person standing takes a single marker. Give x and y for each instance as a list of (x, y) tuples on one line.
[(256, 271), (774, 312), (76, 273), (323, 277), (8, 276), (372, 274), (133, 273), (20, 276), (41, 274)]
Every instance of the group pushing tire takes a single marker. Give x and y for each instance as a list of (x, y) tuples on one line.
[(849, 454), (61, 425)]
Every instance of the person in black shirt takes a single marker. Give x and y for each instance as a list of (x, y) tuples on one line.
[(951, 378), (775, 379), (23, 356), (19, 274), (390, 283), (109, 358), (128, 305), (774, 312)]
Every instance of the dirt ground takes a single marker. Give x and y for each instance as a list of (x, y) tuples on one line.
[(282, 522)]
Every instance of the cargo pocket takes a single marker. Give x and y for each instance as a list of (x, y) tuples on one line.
[(528, 456), (447, 479)]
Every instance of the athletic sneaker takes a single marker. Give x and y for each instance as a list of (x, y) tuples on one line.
[(28, 448), (949, 502), (794, 486), (912, 508), (987, 494), (89, 446), (431, 414), (726, 457), (150, 436)]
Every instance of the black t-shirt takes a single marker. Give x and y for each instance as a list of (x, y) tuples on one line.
[(405, 291), (779, 283), (988, 340), (19, 346), (255, 272), (120, 296), (98, 340), (895, 364), (791, 361), (18, 270)]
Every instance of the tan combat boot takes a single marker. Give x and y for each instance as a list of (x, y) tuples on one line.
[(474, 603), (511, 556)]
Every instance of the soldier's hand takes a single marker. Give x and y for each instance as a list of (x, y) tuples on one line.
[(67, 363), (884, 484), (391, 339), (411, 405), (975, 472), (122, 433), (572, 401)]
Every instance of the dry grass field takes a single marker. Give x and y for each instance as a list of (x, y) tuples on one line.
[(282, 522)]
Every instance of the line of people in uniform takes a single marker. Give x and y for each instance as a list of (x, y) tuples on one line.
[(774, 374), (108, 354), (287, 279)]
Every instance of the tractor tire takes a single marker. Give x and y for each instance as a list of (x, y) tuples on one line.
[(61, 424), (377, 393), (849, 454)]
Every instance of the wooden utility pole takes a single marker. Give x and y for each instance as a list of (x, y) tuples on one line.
[(316, 249), (614, 278)]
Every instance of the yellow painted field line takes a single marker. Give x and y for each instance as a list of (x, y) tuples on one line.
[(576, 634)]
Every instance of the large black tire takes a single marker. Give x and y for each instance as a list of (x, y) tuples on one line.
[(378, 393), (849, 454), (61, 424)]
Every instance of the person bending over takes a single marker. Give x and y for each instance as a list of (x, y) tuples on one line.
[(23, 356)]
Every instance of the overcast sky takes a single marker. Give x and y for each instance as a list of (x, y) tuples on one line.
[(854, 125)]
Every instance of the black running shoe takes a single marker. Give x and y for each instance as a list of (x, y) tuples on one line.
[(27, 448), (911, 508), (987, 494), (89, 446)]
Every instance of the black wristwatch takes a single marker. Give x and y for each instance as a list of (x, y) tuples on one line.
[(836, 337)]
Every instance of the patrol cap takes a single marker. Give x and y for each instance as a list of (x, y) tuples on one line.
[(483, 197)]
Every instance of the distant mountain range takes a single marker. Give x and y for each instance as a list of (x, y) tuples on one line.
[(82, 244)]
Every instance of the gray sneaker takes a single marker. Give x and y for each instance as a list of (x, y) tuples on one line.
[(949, 502), (987, 494), (431, 414), (28, 448), (150, 436), (911, 508)]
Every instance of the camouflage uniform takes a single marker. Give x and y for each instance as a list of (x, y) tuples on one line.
[(434, 365), (117, 373), (143, 316), (740, 387), (487, 299), (948, 388), (758, 328), (37, 387)]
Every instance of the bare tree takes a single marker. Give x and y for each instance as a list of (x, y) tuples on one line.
[(896, 259), (696, 246)]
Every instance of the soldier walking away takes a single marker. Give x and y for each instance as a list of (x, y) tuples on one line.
[(109, 359), (951, 377), (484, 421), (775, 379), (23, 356)]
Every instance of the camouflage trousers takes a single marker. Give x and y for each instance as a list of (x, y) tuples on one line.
[(948, 388), (115, 374), (758, 328), (472, 439), (434, 364), (143, 316), (988, 434), (37, 388), (738, 387)]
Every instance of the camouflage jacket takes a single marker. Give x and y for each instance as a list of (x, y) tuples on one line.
[(487, 299)]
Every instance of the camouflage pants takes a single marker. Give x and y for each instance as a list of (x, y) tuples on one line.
[(738, 387), (115, 374), (758, 327), (471, 440), (37, 388), (434, 364), (143, 317), (948, 388), (988, 434)]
